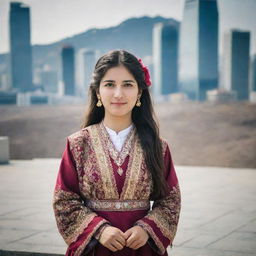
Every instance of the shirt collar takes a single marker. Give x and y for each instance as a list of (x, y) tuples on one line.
[(121, 133)]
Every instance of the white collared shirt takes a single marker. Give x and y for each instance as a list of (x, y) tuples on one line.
[(119, 138)]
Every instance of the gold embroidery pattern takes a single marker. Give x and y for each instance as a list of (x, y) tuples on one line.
[(159, 244), (79, 148), (165, 213), (71, 215), (133, 173), (145, 178), (89, 175), (81, 248), (118, 205), (106, 173)]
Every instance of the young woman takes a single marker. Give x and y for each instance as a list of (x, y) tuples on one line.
[(114, 166)]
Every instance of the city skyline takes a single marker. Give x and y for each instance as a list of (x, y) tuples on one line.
[(197, 61), (233, 14)]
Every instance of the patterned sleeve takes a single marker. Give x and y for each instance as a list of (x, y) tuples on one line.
[(76, 223), (162, 221)]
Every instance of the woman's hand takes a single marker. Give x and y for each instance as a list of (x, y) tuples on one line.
[(113, 239), (136, 237)]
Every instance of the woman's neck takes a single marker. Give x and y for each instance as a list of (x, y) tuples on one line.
[(117, 123)]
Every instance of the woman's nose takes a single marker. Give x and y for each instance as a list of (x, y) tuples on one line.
[(118, 92)]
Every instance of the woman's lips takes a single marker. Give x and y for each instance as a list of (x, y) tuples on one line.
[(118, 103)]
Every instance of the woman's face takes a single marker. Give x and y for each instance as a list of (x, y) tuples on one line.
[(118, 91)]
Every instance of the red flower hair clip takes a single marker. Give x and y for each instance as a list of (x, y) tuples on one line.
[(146, 73)]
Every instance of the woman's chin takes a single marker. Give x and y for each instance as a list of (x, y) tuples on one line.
[(119, 113)]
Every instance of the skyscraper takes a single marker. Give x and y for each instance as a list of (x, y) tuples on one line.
[(165, 58), (85, 62), (236, 62), (68, 70), (198, 52), (20, 47)]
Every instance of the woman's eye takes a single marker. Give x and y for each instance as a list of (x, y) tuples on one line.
[(108, 85), (128, 85)]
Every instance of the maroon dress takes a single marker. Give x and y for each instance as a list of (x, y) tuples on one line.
[(98, 186)]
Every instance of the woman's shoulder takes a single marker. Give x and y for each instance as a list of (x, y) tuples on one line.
[(81, 136), (78, 135)]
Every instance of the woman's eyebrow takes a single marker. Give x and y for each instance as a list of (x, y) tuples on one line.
[(113, 81)]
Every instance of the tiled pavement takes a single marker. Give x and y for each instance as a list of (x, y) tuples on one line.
[(218, 216)]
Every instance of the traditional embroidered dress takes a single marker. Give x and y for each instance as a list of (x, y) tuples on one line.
[(98, 186)]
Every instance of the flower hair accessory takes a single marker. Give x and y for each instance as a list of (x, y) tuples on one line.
[(146, 73)]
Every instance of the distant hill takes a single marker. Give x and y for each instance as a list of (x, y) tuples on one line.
[(134, 34), (201, 134)]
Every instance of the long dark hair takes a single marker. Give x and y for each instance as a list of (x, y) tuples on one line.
[(143, 117)]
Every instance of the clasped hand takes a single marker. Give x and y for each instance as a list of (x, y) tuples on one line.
[(114, 239)]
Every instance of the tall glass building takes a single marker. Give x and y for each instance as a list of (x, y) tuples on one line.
[(236, 62), (20, 47), (198, 51), (68, 70), (85, 61), (165, 59)]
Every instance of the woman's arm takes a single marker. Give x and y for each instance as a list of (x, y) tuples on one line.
[(162, 221), (76, 223)]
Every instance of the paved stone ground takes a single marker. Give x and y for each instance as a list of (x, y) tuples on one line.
[(218, 216)]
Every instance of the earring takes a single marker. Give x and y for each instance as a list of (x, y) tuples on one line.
[(138, 103), (99, 103)]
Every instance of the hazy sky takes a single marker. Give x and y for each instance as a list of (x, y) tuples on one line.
[(52, 20)]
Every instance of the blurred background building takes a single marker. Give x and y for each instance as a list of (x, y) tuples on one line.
[(68, 69), (85, 63), (20, 47), (198, 56), (236, 63), (165, 59)]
